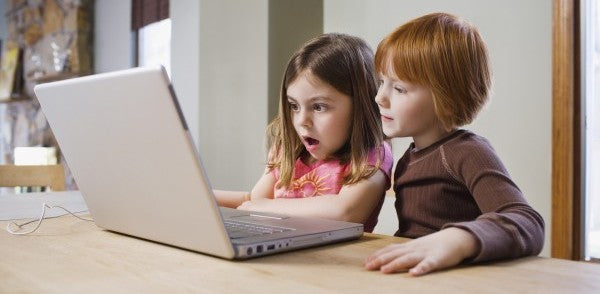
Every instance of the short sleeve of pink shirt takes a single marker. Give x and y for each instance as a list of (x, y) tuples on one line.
[(325, 177)]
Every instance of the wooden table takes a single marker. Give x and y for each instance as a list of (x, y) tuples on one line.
[(68, 255)]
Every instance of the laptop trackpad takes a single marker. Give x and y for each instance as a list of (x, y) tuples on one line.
[(253, 217)]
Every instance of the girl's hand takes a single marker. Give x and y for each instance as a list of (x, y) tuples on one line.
[(436, 251), (231, 199), (254, 205)]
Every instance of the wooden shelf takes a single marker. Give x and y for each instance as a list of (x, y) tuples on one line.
[(58, 77), (15, 98)]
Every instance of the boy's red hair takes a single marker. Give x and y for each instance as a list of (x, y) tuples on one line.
[(445, 54)]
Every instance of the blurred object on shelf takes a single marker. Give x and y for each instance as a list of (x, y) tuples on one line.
[(56, 38), (55, 41), (11, 71)]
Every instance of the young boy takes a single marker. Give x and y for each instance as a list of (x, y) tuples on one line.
[(453, 194)]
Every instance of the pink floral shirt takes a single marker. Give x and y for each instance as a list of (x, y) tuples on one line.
[(325, 178)]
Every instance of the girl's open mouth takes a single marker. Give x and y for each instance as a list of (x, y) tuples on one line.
[(310, 142)]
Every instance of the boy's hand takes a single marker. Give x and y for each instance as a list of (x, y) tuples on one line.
[(439, 250)]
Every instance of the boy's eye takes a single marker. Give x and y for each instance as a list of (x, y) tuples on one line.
[(400, 90)]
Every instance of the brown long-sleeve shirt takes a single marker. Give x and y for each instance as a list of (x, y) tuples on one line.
[(460, 182)]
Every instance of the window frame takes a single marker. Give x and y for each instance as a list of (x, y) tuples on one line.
[(567, 180)]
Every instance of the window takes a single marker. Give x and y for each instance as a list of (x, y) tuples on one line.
[(154, 44), (152, 26), (591, 98)]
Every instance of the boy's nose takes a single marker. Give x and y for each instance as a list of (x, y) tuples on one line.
[(381, 99)]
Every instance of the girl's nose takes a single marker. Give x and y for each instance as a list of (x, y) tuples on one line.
[(304, 118)]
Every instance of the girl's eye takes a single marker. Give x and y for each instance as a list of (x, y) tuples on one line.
[(379, 83), (320, 107), (294, 106), (400, 90)]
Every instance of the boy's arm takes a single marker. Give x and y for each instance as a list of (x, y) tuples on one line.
[(507, 228), (353, 203)]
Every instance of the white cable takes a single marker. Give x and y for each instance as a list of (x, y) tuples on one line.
[(39, 220)]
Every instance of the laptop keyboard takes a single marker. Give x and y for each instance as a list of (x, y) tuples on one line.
[(237, 230)]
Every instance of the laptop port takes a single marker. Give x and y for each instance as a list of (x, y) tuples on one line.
[(259, 249), (271, 247)]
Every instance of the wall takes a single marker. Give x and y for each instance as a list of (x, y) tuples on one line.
[(233, 90), (112, 35), (517, 121), (185, 60), (291, 23), (3, 29)]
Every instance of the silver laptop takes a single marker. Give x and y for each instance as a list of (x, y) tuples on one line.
[(127, 144)]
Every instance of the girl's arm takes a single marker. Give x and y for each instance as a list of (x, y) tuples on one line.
[(264, 188), (231, 199), (353, 203)]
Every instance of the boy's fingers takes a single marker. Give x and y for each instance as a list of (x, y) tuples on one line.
[(401, 263), (426, 266), (377, 260), (383, 250)]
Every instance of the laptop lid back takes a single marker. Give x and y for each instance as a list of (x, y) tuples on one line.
[(125, 139)]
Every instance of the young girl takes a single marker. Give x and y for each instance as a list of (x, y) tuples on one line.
[(453, 194), (326, 140)]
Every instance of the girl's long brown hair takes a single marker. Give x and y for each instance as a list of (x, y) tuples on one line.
[(346, 63)]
